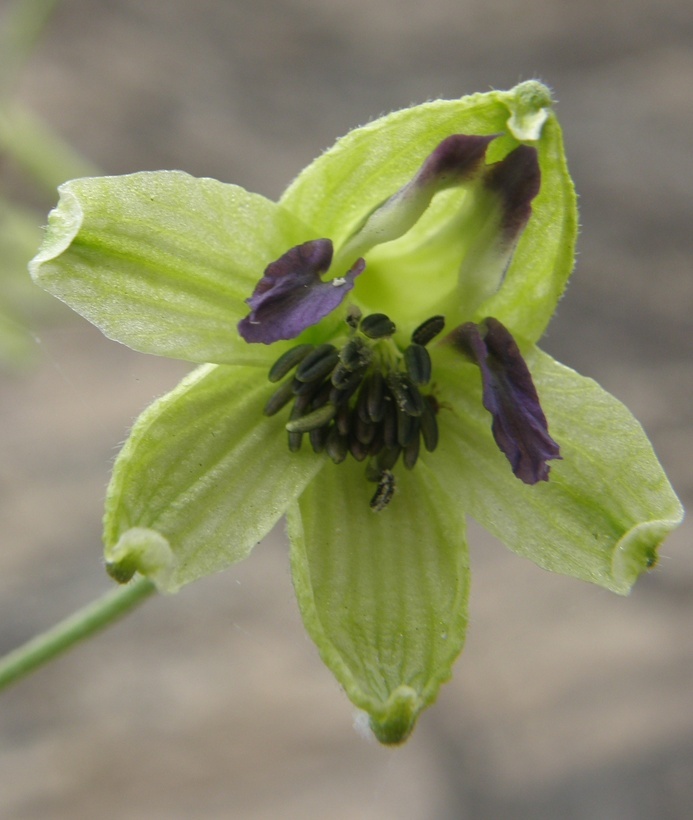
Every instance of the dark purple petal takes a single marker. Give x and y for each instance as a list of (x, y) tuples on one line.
[(516, 180), (291, 295), (519, 425), (456, 159)]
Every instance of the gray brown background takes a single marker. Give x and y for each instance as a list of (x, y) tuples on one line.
[(568, 702)]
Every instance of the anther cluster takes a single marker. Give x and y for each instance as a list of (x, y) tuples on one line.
[(364, 398)]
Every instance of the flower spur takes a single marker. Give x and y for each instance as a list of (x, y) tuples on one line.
[(459, 209)]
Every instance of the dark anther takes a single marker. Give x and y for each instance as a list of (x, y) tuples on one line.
[(384, 492), (353, 316), (388, 457), (362, 399), (280, 398), (316, 418), (344, 379), (377, 326), (305, 388), (378, 441), (287, 361), (407, 428), (355, 355), (318, 438), (429, 425), (343, 419), (390, 423), (418, 363), (428, 330), (336, 446), (406, 394), (318, 363), (321, 396), (357, 449), (410, 454), (295, 440), (365, 430), (341, 395), (375, 398)]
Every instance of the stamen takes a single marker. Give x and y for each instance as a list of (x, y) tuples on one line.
[(377, 326), (355, 355), (417, 360), (310, 421), (287, 361), (389, 417), (407, 428), (280, 398), (429, 425), (428, 330), (375, 399), (336, 446), (406, 394), (386, 489), (318, 363), (411, 452)]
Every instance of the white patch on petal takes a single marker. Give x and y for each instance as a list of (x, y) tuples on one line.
[(339, 281)]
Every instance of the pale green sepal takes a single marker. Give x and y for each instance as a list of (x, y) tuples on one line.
[(382, 594), (207, 472), (607, 505), (339, 189), (162, 261)]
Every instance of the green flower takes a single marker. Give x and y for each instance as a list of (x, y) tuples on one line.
[(394, 296)]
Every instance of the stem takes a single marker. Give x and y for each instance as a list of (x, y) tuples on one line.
[(76, 627)]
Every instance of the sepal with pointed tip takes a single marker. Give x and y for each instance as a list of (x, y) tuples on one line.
[(608, 504), (382, 594), (202, 478)]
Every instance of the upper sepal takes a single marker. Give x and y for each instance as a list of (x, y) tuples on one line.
[(337, 193), (291, 295)]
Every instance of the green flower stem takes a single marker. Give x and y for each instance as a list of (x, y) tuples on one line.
[(76, 627)]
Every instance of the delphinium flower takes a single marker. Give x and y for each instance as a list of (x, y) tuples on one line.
[(368, 369)]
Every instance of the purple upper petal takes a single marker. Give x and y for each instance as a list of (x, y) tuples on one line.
[(515, 180), (291, 295), (519, 424)]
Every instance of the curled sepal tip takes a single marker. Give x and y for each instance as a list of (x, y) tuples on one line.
[(142, 550), (291, 295), (398, 716)]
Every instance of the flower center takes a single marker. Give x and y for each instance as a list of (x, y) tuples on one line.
[(365, 398)]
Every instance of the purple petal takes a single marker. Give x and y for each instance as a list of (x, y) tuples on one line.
[(291, 296), (516, 180), (456, 159), (519, 424)]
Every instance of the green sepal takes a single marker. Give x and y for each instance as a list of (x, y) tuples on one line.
[(339, 189), (202, 478), (606, 506), (382, 594), (163, 262)]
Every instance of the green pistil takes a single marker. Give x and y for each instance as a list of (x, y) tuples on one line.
[(361, 398)]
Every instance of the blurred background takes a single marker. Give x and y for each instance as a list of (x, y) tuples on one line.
[(568, 702)]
